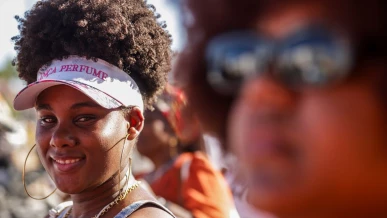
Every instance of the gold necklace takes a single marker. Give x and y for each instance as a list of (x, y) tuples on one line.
[(111, 204)]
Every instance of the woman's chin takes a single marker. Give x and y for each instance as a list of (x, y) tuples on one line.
[(279, 201), (69, 187)]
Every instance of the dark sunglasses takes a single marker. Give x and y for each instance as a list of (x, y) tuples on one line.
[(312, 56)]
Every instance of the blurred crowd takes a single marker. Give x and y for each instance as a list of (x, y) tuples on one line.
[(13, 139)]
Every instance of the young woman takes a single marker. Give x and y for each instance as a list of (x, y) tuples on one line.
[(308, 79), (183, 175), (91, 68)]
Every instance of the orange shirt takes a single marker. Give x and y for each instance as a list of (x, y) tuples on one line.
[(203, 190)]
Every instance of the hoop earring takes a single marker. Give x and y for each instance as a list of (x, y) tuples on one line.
[(130, 168), (119, 172), (24, 181)]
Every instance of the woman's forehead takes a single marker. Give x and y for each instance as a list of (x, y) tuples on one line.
[(278, 20), (61, 91), (61, 95)]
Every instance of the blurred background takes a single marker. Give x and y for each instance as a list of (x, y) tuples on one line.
[(17, 128)]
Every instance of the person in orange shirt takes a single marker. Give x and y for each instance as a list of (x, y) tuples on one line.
[(183, 175)]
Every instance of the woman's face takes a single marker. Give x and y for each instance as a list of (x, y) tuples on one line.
[(76, 139), (315, 151)]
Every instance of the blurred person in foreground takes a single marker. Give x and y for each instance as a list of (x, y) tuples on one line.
[(308, 81), (183, 175), (92, 67)]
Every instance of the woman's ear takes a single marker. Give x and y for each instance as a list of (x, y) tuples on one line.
[(135, 119)]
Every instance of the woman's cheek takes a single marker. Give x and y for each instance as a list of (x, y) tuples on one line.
[(42, 155), (42, 140), (108, 133)]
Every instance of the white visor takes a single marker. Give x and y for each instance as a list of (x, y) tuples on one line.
[(106, 84)]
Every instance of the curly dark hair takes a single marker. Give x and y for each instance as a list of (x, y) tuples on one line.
[(125, 33)]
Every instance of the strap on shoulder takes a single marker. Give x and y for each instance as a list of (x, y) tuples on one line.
[(127, 211), (57, 211)]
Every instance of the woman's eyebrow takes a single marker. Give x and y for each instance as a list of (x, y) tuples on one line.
[(90, 104), (43, 107)]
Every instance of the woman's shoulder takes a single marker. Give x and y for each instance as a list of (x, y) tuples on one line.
[(145, 208), (143, 204), (150, 210)]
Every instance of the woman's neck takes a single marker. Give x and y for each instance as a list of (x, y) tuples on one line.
[(91, 202)]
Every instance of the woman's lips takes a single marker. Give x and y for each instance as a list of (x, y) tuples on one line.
[(68, 161), (268, 157), (67, 164)]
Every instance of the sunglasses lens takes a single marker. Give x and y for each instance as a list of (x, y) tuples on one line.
[(312, 58), (233, 57)]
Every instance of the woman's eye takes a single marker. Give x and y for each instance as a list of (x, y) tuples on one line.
[(47, 120), (84, 118)]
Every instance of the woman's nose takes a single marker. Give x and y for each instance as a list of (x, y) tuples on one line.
[(264, 92), (63, 136)]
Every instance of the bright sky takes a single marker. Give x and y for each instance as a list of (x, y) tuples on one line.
[(10, 8), (8, 25)]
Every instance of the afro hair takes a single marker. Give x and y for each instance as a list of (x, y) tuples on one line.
[(125, 33)]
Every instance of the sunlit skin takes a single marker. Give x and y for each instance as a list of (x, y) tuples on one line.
[(318, 152), (72, 127)]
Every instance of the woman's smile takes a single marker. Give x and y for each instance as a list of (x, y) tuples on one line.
[(67, 164)]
